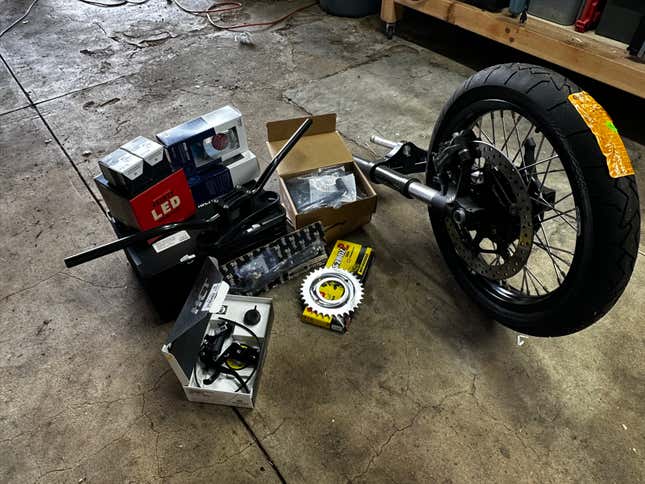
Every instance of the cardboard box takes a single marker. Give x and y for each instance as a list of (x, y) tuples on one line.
[(146, 149), (213, 152), (352, 257), (155, 167), (203, 142), (320, 147), (167, 201), (124, 171), (135, 166), (207, 301)]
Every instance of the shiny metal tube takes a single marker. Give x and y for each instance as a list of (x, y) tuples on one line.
[(383, 142), (408, 187)]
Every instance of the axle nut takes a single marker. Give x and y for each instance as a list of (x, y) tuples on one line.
[(459, 216)]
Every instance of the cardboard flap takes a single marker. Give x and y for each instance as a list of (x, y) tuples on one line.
[(321, 146)]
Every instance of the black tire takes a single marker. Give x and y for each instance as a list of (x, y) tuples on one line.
[(606, 245)]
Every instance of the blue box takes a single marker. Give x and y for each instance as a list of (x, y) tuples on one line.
[(211, 184)]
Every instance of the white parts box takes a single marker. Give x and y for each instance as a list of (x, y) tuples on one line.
[(148, 150), (243, 168), (210, 139), (208, 301), (135, 166), (120, 168)]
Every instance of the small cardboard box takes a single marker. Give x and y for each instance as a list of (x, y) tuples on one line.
[(207, 301), (320, 147), (124, 171), (135, 166), (167, 201), (205, 141), (155, 166)]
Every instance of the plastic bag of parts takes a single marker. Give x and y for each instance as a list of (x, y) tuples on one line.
[(326, 187), (268, 266)]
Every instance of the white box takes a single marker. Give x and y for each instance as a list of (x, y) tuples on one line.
[(225, 119), (243, 168), (197, 143), (208, 301), (120, 166), (148, 150)]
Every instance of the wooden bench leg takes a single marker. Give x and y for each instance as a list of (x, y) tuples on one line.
[(391, 12)]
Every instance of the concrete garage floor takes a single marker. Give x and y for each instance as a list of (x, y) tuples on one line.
[(423, 389)]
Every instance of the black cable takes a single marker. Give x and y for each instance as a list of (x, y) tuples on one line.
[(257, 340), (117, 3), (16, 22), (255, 367), (120, 3)]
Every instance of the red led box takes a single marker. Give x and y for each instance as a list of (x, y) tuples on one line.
[(167, 201)]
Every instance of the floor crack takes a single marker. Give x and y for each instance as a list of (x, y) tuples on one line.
[(398, 430), (260, 446), (4, 298), (93, 284)]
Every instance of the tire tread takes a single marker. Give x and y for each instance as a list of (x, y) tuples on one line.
[(615, 211)]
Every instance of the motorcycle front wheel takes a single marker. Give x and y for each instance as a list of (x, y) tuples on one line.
[(585, 224)]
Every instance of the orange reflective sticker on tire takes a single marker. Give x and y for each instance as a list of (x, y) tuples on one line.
[(601, 125)]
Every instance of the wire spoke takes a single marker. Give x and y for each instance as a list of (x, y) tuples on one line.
[(563, 198), (519, 151), (511, 133), (565, 221), (560, 249), (547, 248), (503, 131), (561, 214), (541, 246), (559, 170), (534, 279), (526, 167), (492, 124), (482, 132), (524, 282), (552, 207), (520, 145)]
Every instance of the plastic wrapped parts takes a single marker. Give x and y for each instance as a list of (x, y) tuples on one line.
[(326, 187)]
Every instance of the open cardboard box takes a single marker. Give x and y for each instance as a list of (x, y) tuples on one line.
[(208, 300), (320, 147)]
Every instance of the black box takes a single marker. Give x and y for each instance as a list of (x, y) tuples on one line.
[(637, 44), (620, 19), (167, 268)]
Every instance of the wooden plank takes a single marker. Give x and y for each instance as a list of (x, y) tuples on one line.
[(588, 54)]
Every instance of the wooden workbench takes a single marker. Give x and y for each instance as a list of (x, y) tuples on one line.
[(586, 53)]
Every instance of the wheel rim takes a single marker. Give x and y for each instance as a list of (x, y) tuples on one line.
[(555, 243)]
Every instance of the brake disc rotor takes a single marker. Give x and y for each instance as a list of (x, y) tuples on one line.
[(332, 292), (513, 264)]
